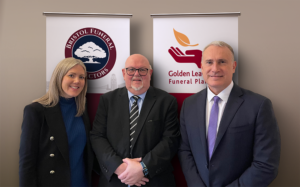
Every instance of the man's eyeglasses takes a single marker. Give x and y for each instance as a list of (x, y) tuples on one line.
[(131, 71)]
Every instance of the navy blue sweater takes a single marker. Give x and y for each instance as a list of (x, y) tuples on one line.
[(76, 139)]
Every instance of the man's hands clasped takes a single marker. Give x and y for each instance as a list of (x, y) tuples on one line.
[(130, 172)]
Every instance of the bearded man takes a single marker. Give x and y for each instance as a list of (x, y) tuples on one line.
[(136, 131)]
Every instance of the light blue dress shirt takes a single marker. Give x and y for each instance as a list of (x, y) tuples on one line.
[(140, 101)]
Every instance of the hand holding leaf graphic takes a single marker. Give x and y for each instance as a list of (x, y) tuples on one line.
[(190, 56)]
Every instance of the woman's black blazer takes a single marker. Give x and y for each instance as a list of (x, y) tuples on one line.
[(44, 152)]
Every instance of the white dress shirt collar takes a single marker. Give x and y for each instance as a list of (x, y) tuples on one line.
[(223, 95)]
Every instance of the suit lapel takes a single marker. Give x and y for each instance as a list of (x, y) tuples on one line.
[(57, 128), (233, 104), (124, 101), (146, 108), (201, 122)]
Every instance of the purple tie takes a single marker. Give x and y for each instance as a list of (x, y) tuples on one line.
[(212, 127)]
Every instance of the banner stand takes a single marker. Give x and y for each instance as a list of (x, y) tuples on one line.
[(100, 41), (178, 41)]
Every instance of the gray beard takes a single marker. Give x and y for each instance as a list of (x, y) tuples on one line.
[(137, 88)]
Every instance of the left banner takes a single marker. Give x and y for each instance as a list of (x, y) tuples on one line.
[(101, 41)]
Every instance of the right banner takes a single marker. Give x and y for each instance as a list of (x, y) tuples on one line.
[(178, 41)]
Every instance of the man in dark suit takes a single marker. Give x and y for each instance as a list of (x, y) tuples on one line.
[(229, 135), (136, 132)]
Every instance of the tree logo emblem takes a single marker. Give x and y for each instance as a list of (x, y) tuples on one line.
[(94, 48)]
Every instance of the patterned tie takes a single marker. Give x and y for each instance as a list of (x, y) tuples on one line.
[(212, 127), (134, 116)]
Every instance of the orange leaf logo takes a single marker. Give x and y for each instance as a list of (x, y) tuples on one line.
[(182, 39)]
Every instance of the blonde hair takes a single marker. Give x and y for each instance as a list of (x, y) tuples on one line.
[(51, 98)]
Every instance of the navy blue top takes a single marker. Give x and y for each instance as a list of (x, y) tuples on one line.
[(76, 140)]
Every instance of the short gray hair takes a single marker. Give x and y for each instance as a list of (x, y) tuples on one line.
[(220, 44)]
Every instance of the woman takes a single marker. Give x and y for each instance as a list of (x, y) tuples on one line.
[(55, 147)]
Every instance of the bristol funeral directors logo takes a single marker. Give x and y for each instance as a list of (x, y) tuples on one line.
[(190, 56), (93, 47)]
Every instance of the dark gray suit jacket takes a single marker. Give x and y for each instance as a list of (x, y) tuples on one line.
[(39, 124), (157, 141), (247, 147)]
